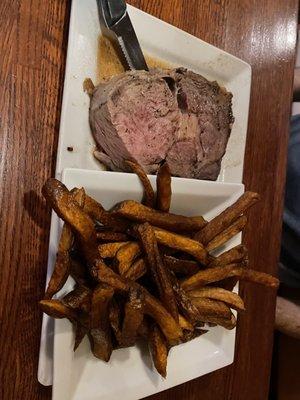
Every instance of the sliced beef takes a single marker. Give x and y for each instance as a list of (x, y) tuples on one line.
[(152, 116), (135, 116), (205, 127)]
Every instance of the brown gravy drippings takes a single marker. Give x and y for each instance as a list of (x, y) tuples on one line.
[(109, 63)]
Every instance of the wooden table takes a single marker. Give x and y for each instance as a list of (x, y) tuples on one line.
[(33, 42)]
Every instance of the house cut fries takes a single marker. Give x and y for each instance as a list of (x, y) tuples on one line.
[(223, 237), (149, 196), (227, 217), (109, 250), (137, 212), (145, 273), (182, 243), (164, 190)]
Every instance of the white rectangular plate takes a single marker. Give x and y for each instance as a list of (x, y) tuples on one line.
[(159, 40), (129, 374)]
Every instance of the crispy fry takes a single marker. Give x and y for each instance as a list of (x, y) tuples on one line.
[(216, 274), (185, 324), (227, 323), (215, 293), (185, 303), (110, 236), (126, 255), (78, 195), (136, 270), (143, 330), (57, 309), (226, 218), (78, 299), (188, 336), (60, 199), (133, 317), (181, 267), (80, 332), (78, 272), (262, 278), (100, 330), (114, 316), (97, 212), (159, 350), (109, 250), (159, 273), (149, 196), (183, 243), (237, 226), (214, 308), (137, 212), (62, 264), (164, 190), (234, 255), (153, 307)]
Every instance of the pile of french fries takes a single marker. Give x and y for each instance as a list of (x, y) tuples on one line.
[(142, 272)]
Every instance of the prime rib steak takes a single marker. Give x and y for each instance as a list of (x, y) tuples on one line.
[(175, 115)]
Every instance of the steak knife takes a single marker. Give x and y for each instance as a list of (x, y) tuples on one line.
[(113, 15)]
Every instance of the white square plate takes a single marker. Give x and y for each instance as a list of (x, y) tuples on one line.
[(160, 40), (129, 374)]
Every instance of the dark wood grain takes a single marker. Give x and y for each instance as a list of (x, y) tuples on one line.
[(33, 39)]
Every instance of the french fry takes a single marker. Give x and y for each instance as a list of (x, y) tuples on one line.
[(126, 256), (57, 309), (136, 270), (181, 267), (110, 236), (185, 303), (159, 273), (133, 317), (97, 212), (183, 243), (164, 190), (78, 195), (60, 199), (227, 323), (188, 336), (262, 278), (100, 335), (137, 212), (61, 268), (109, 250), (237, 226), (158, 349), (232, 256), (153, 307), (226, 218), (78, 272), (216, 274), (62, 264), (78, 299), (114, 316), (232, 299), (149, 196), (214, 308), (80, 332), (143, 330), (185, 324)]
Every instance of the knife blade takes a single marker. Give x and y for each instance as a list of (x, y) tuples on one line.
[(113, 14)]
